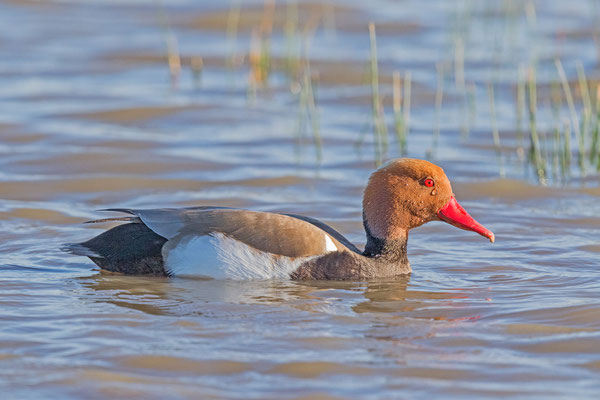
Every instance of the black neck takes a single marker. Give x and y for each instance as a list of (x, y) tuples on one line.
[(388, 250)]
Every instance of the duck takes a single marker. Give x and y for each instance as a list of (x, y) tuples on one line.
[(215, 242)]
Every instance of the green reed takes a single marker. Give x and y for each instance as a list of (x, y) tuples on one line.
[(439, 96), (308, 113), (292, 59), (197, 66), (495, 132), (585, 95), (173, 58), (595, 145), (232, 27), (554, 150), (172, 46), (259, 56), (567, 147), (521, 95), (556, 106), (406, 104), (471, 110), (459, 65), (587, 109), (556, 156), (380, 126), (535, 151), (314, 115), (574, 117), (459, 82), (399, 123), (307, 105)]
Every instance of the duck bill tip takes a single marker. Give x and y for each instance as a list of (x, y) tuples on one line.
[(454, 214)]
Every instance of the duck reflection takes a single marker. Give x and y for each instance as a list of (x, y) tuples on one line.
[(155, 295), (179, 296), (184, 296)]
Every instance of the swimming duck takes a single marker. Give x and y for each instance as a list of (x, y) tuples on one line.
[(228, 243)]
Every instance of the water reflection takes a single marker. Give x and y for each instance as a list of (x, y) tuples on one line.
[(181, 296)]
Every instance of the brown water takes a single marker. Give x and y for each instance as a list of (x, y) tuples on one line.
[(89, 119)]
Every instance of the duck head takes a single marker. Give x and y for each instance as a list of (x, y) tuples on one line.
[(407, 193)]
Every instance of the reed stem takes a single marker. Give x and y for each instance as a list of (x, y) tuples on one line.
[(380, 131), (398, 117), (439, 96), (233, 21), (521, 81), (495, 133), (407, 100), (535, 151), (574, 119), (595, 147)]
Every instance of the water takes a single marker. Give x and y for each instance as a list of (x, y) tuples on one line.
[(89, 119)]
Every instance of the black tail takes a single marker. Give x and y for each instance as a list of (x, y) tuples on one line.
[(130, 249)]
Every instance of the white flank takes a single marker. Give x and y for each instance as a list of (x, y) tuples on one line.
[(220, 257), (329, 245), (193, 256)]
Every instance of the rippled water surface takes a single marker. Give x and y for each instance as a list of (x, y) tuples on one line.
[(90, 119)]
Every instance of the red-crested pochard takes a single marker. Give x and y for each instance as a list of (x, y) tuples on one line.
[(218, 242)]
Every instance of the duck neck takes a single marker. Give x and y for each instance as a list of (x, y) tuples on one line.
[(389, 250)]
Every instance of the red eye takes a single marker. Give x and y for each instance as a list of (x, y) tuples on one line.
[(428, 182)]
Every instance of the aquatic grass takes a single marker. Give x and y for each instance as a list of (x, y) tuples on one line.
[(309, 113), (313, 112), (549, 149), (587, 107), (556, 106), (574, 119), (567, 147), (595, 143), (197, 66), (260, 49), (173, 58), (407, 101), (459, 82), (265, 59), (495, 132), (512, 13), (401, 107), (172, 46), (255, 74), (398, 116), (535, 152), (555, 100), (544, 149), (307, 105), (470, 105), (459, 65), (553, 151), (232, 27), (380, 127), (439, 96), (521, 94), (585, 92), (292, 59), (557, 155)]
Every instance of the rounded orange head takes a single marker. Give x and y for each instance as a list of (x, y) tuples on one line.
[(407, 193)]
